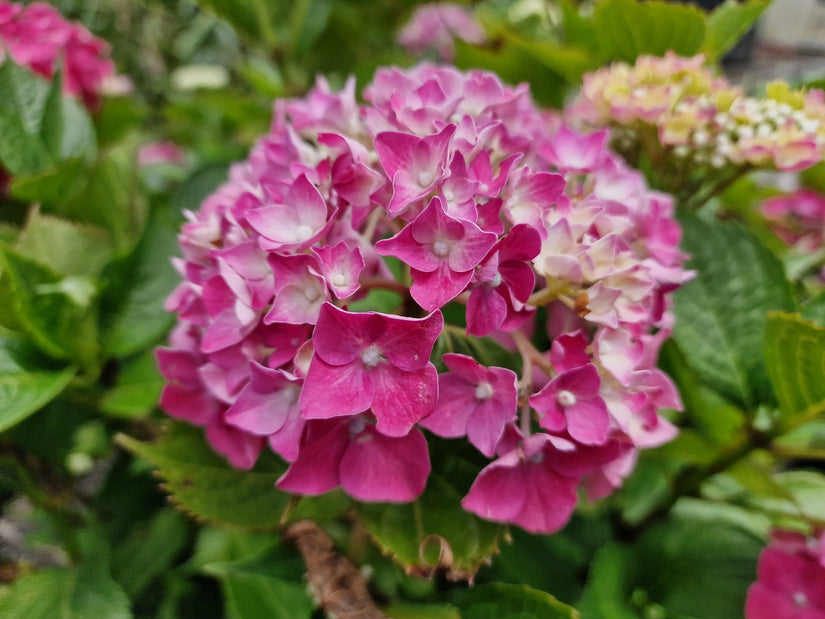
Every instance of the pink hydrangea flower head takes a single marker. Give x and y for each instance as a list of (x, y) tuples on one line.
[(37, 36), (317, 281), (790, 580)]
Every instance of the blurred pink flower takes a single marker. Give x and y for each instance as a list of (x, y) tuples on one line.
[(436, 26)]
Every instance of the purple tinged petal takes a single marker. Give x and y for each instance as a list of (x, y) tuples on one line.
[(336, 390), (315, 470), (401, 399), (376, 467)]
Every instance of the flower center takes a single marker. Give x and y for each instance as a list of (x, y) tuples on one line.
[(484, 391), (800, 599), (312, 293), (303, 232), (441, 248), (448, 195), (565, 398), (425, 179), (339, 279), (496, 280), (292, 393), (357, 425), (371, 356)]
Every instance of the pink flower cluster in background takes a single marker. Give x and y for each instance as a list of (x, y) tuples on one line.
[(436, 26), (798, 218), (445, 191), (701, 118), (37, 36), (791, 579)]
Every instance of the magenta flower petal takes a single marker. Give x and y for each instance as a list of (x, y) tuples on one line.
[(315, 470), (432, 290), (522, 487), (335, 390), (267, 402), (340, 336), (239, 447), (376, 467), (401, 399), (452, 412), (573, 396), (407, 342)]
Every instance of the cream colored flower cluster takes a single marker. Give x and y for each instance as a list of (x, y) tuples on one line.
[(675, 107)]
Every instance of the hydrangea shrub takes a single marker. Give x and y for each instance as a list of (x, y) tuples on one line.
[(323, 280)]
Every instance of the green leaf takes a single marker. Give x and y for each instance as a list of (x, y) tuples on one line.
[(27, 383), (253, 19), (721, 313), (699, 567), (728, 23), (203, 484), (202, 182), (805, 442), (270, 585), (550, 563), (626, 29), (148, 551), (432, 532), (103, 193), (133, 317), (309, 18), (795, 356), (21, 109), (38, 125), (66, 129), (137, 389), (53, 311), (66, 247), (612, 576), (498, 600), (83, 592), (569, 62), (814, 309), (422, 611), (63, 594)]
